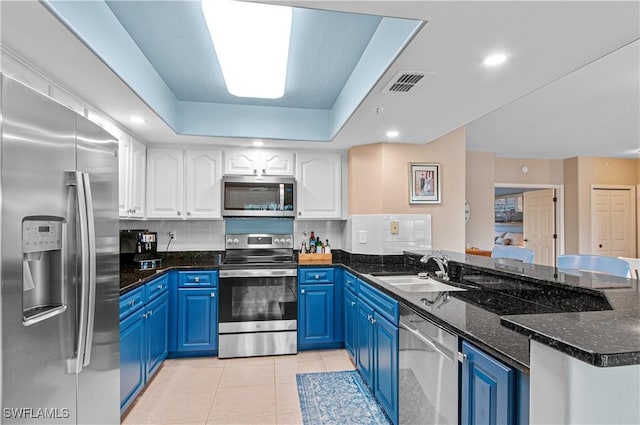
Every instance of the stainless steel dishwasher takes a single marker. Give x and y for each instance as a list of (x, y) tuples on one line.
[(428, 381)]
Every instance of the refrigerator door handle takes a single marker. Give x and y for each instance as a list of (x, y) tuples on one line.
[(75, 179), (91, 299)]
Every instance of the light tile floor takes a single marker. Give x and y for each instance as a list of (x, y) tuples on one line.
[(208, 390)]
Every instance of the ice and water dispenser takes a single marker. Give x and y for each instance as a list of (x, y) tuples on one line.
[(43, 268)]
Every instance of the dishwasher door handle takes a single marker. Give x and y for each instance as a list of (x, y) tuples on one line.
[(426, 340)]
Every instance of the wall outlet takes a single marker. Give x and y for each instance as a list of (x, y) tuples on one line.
[(362, 236), (172, 235), (395, 227)]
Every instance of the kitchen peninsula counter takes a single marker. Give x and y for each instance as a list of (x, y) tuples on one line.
[(593, 318)]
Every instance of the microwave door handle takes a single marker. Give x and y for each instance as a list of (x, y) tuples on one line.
[(281, 196), (91, 298), (75, 179)]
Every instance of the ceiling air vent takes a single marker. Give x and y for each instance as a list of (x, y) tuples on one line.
[(404, 81)]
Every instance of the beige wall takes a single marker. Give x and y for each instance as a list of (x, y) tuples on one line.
[(580, 174), (540, 171), (379, 184), (480, 192)]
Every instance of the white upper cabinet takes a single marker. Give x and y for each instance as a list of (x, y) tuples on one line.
[(183, 184), (319, 186), (250, 162), (202, 191), (132, 159)]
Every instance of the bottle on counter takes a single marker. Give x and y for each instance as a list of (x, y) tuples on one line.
[(327, 248), (312, 243), (319, 248)]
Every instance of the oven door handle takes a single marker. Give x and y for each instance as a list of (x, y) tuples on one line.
[(258, 273)]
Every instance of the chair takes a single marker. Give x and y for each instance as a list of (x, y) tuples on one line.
[(634, 264), (513, 252), (594, 263)]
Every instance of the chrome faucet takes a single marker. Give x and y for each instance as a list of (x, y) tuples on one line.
[(441, 260)]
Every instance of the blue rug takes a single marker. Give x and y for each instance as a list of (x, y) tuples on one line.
[(337, 398)]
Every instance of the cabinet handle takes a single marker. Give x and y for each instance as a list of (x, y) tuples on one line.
[(317, 276), (462, 357), (299, 212), (144, 315), (160, 286), (263, 171), (302, 291), (368, 317), (213, 295), (188, 212), (373, 320), (353, 303), (196, 279), (133, 211), (132, 303), (150, 312), (178, 212), (255, 171)]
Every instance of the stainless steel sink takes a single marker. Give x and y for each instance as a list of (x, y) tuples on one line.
[(416, 284)]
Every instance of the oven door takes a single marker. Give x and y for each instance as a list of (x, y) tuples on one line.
[(257, 300)]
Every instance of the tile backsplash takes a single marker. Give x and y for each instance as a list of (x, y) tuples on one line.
[(371, 234), (361, 234), (208, 235)]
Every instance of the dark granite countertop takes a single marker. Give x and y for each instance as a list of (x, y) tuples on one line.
[(594, 318), (131, 278)]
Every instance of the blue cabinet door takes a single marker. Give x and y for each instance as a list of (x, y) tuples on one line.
[(365, 338), (350, 325), (316, 314), (197, 319), (338, 302), (157, 328), (487, 394), (386, 366), (132, 358)]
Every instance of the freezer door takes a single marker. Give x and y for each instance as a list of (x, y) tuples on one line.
[(38, 146), (99, 381)]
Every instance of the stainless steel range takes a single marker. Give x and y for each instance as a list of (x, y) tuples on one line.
[(258, 301)]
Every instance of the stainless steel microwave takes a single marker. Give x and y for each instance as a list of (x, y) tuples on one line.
[(251, 196)]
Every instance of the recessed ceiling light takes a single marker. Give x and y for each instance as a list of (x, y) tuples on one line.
[(392, 133), (495, 59), (252, 44), (137, 120), (258, 143)]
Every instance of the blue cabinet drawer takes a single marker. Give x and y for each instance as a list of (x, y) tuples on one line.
[(200, 278), (350, 282), (385, 305), (319, 275), (131, 302), (156, 287)]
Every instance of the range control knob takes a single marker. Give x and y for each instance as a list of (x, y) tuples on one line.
[(288, 240), (236, 241), (229, 241)]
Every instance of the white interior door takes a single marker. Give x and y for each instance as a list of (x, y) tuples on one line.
[(612, 223), (539, 225)]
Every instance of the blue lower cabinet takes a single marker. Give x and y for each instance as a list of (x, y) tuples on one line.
[(365, 341), (487, 389), (386, 366), (132, 358), (316, 313), (197, 319), (157, 339), (350, 324)]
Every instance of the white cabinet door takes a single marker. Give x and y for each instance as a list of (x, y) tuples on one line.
[(203, 172), (124, 154), (165, 183), (132, 159), (319, 186), (137, 178), (241, 162), (253, 162), (276, 163)]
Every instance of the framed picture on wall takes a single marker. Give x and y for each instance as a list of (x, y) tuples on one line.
[(424, 183)]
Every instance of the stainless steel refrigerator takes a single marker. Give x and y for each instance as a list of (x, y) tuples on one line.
[(60, 265)]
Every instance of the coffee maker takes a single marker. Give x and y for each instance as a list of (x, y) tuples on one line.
[(139, 247)]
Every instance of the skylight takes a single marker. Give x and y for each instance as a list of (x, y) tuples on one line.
[(252, 44)]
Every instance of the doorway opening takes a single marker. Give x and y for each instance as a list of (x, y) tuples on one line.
[(532, 216)]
